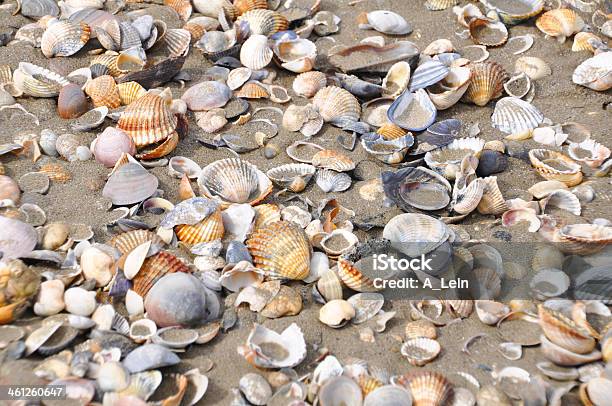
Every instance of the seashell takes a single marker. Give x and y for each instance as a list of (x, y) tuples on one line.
[(18, 240), (563, 357), (406, 229), (594, 73), (305, 119), (388, 151), (372, 57), (397, 79), (36, 81), (197, 26), (278, 94), (466, 13), (264, 22), (142, 330), (179, 166), (129, 184), (307, 84), (383, 21), (80, 301), (426, 387), (412, 111), (253, 90), (238, 77), (302, 151), (177, 40), (522, 10), (427, 74), (242, 6), (391, 131), (592, 153), (50, 298), (55, 234), (39, 336), (486, 83), (338, 242), (129, 92), (295, 214), (332, 181), (66, 145), (103, 92), (234, 181), (38, 8), (265, 215), (564, 332), (449, 90), (90, 120), (111, 144), (583, 41), (297, 55), (560, 23), (255, 388), (487, 32), (9, 190), (182, 8), (72, 102), (555, 166), (175, 337), (149, 356), (126, 242), (596, 391), (97, 266), (420, 328), (105, 64), (533, 67), (64, 38), (562, 199), (281, 250), (447, 160), (516, 117), (549, 283), (154, 268), (336, 313), (209, 229), (267, 349), (439, 46), (492, 201), (294, 177), (466, 199), (420, 350), (34, 182), (148, 120), (206, 96), (335, 104), (518, 85), (329, 159), (389, 394)]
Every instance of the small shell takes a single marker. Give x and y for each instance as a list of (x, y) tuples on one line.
[(426, 387), (238, 77), (449, 91), (64, 38), (253, 90), (103, 92), (420, 328), (142, 330), (595, 73), (486, 84), (129, 184), (564, 357), (583, 42), (330, 159), (518, 85), (110, 145), (268, 349), (533, 67), (296, 55), (256, 53), (383, 21), (335, 103), (209, 229), (332, 181), (560, 23), (294, 177), (388, 151), (492, 201), (515, 116), (302, 151), (175, 337), (264, 22), (255, 388), (420, 350), (513, 14), (336, 313), (397, 79), (424, 232), (338, 242), (439, 46), (90, 120), (412, 111), (66, 146), (447, 160), (179, 166), (307, 84), (72, 102), (562, 199), (556, 166), (427, 74), (484, 31)]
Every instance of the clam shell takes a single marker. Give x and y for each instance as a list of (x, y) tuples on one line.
[(417, 187), (414, 234), (129, 92), (388, 151), (330, 159), (129, 184), (563, 357), (336, 313), (72, 102), (307, 84), (397, 79), (533, 67), (297, 55), (465, 200), (420, 350), (450, 90), (268, 349), (388, 394), (238, 77), (412, 111), (515, 116), (302, 151), (560, 23), (149, 356), (583, 41), (38, 8), (111, 144), (207, 96), (517, 12), (242, 6), (427, 74), (264, 22), (564, 332), (590, 152), (36, 81), (335, 104), (384, 21), (179, 166), (426, 387), (447, 160), (175, 337), (154, 268), (90, 120), (294, 177), (281, 250), (486, 83), (549, 283), (436, 5), (64, 38), (253, 90), (148, 120), (255, 387), (555, 166), (562, 199), (60, 339), (420, 328), (595, 73), (39, 336), (234, 181), (255, 53), (492, 201), (487, 32), (329, 285), (518, 85), (372, 57), (332, 181), (103, 92)]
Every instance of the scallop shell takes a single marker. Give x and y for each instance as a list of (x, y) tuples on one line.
[(415, 234), (427, 388), (486, 83), (148, 120), (562, 199), (492, 201), (427, 74), (307, 84), (515, 116), (412, 111), (467, 199), (564, 332), (420, 350), (103, 92), (335, 104), (391, 131), (255, 53), (232, 180), (330, 159), (253, 90), (264, 22), (64, 38), (38, 8), (128, 241), (332, 181), (265, 215), (130, 91), (36, 81), (595, 73), (447, 160), (294, 177), (517, 12), (384, 21), (209, 229), (533, 67), (555, 166), (583, 41), (242, 6), (560, 23), (420, 328), (487, 32), (281, 249), (182, 7), (154, 268)]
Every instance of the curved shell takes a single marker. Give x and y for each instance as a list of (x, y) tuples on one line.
[(563, 357), (335, 103), (255, 53), (517, 11), (397, 79), (104, 92), (206, 96), (466, 199), (9, 190), (486, 84), (130, 91), (564, 332), (18, 239), (555, 166), (177, 40), (427, 387), (534, 67), (583, 41), (110, 145), (427, 74), (129, 184), (419, 188), (126, 242), (388, 394), (412, 111), (330, 159), (242, 6), (492, 201), (560, 23), (388, 151), (281, 250), (233, 180), (209, 229), (447, 160), (336, 313), (148, 120), (297, 55), (264, 22), (487, 32), (72, 102), (238, 77), (154, 268), (384, 21), (420, 350), (253, 90), (590, 152), (515, 116), (64, 38), (595, 73), (449, 90), (294, 177), (414, 234), (307, 84), (332, 181), (518, 85), (36, 81), (284, 350)]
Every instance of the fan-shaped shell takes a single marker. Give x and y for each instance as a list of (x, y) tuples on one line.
[(177, 40), (294, 177), (517, 11), (242, 6), (427, 74), (307, 84), (148, 120), (515, 116), (105, 64), (420, 350), (534, 67), (268, 349), (428, 388), (64, 38), (264, 22), (583, 41), (560, 23), (330, 159), (234, 181), (238, 77), (130, 91), (209, 229), (561, 356), (154, 268), (414, 234), (36, 81), (555, 166), (384, 21), (126, 242), (389, 394), (487, 32), (332, 181), (412, 111), (253, 90), (281, 249), (564, 332), (492, 201), (255, 53), (129, 184), (595, 73), (335, 103), (487, 82), (38, 8), (104, 92)]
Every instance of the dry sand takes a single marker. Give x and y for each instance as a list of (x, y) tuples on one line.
[(80, 199)]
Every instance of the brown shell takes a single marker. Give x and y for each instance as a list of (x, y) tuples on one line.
[(154, 268), (264, 22), (130, 91), (105, 64), (391, 131), (420, 328), (266, 214), (281, 249), (56, 172), (330, 159), (182, 7), (353, 278), (487, 82), (126, 242), (209, 229), (564, 332), (253, 90), (103, 92), (428, 388), (162, 149), (368, 384), (148, 120), (242, 6)]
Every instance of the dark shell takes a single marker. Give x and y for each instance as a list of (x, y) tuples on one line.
[(61, 339), (72, 102), (359, 88), (157, 74), (491, 162)]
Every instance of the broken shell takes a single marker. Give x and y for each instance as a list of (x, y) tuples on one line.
[(420, 350), (307, 84), (384, 21), (294, 177), (97, 265), (486, 82), (562, 199), (590, 152), (397, 79), (336, 313), (36, 81), (388, 151), (412, 111), (516, 117), (111, 144), (179, 166), (560, 23), (268, 349), (563, 357), (338, 242), (518, 85), (238, 77), (449, 90), (39, 336), (533, 67), (447, 160), (264, 22), (34, 182), (335, 104), (555, 166), (595, 72), (175, 337), (487, 32), (90, 120), (426, 387)]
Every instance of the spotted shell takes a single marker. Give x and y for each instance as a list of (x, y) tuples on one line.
[(335, 103), (64, 38), (307, 84), (281, 249), (209, 229), (487, 82), (103, 92), (148, 120), (154, 268), (264, 22)]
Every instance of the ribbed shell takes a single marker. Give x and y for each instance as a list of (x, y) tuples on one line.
[(332, 181), (468, 198), (126, 242), (242, 6), (595, 73), (335, 103), (36, 81), (103, 92), (541, 160), (253, 90), (282, 250), (560, 23), (564, 332), (353, 278), (581, 41), (435, 5), (209, 229), (266, 214), (307, 84), (515, 116), (415, 234), (512, 14), (391, 131), (56, 172), (487, 82), (148, 120), (428, 388), (105, 64), (130, 91), (264, 22), (64, 38), (492, 201), (154, 268), (177, 40), (420, 350), (412, 111), (294, 177), (182, 7), (255, 53), (330, 159), (420, 328), (481, 32)]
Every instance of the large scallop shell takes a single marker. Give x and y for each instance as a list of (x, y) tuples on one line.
[(36, 81), (487, 82), (104, 92), (412, 111), (516, 117), (555, 166), (64, 38), (384, 21), (264, 22), (595, 73), (148, 120), (560, 23), (307, 84), (281, 250), (294, 177), (233, 180), (420, 350), (154, 268), (255, 53), (564, 332), (427, 388), (335, 104), (516, 11)]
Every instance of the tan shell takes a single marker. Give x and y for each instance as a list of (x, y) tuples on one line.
[(154, 268), (583, 41), (487, 32), (534, 67), (182, 7), (307, 84), (330, 159), (564, 332), (420, 328), (266, 214), (556, 166), (492, 201), (130, 91), (148, 120), (209, 229), (335, 103), (242, 6), (560, 23), (105, 64), (264, 22), (487, 82), (36, 81), (420, 350), (253, 90), (126, 242), (64, 38), (428, 388), (104, 92)]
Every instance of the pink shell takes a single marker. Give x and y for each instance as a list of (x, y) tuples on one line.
[(111, 144)]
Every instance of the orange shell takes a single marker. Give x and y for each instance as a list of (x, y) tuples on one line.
[(564, 332), (148, 120), (56, 172), (154, 268), (209, 229), (105, 64), (182, 7), (353, 278), (266, 214), (561, 22), (391, 131), (130, 91), (162, 149), (103, 92), (253, 90), (242, 6), (487, 82), (264, 22), (126, 242), (330, 159)]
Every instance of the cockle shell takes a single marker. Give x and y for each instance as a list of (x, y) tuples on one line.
[(242, 6), (583, 41), (590, 152), (148, 120), (555, 166), (534, 67), (372, 57), (105, 64), (281, 249), (268, 349), (516, 117), (129, 92), (332, 181), (103, 92), (414, 234), (238, 77), (307, 84), (517, 12), (111, 144), (197, 26), (232, 180), (129, 184), (154, 268), (72, 102), (389, 394), (64, 38), (36, 81), (427, 388), (563, 357), (297, 55), (449, 90), (336, 313), (253, 90), (420, 350), (564, 332), (487, 32), (595, 73), (209, 229), (447, 160), (492, 201), (412, 111), (294, 177), (560, 23), (256, 53), (427, 74), (335, 104), (330, 159), (386, 22), (486, 83), (264, 22)]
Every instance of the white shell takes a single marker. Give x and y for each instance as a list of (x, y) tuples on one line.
[(595, 73), (515, 116), (387, 22), (255, 53)]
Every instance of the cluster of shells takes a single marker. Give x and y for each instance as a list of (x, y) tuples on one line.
[(110, 314)]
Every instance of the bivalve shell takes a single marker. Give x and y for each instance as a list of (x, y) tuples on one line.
[(487, 32), (64, 38), (555, 166), (255, 53), (264, 22), (595, 73), (534, 67), (516, 117), (420, 350), (294, 177), (384, 21), (487, 82), (148, 120), (427, 388), (104, 92), (307, 84), (412, 111), (560, 23), (335, 104), (36, 81), (562, 331)]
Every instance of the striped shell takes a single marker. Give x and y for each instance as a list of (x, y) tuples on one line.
[(177, 40), (126, 242), (209, 229), (154, 268), (243, 6), (560, 23), (354, 278), (103, 92), (266, 214), (420, 350), (487, 82), (307, 84), (130, 91), (332, 181), (233, 180), (56, 172), (515, 116), (335, 103), (391, 131), (428, 388), (595, 73), (420, 328), (148, 120), (105, 64), (253, 90), (294, 177), (534, 67), (182, 7), (564, 332), (553, 165), (255, 53), (415, 234), (412, 111), (64, 38), (197, 26), (427, 74), (492, 201), (36, 81), (330, 159), (281, 250), (516, 11), (583, 41), (264, 22)]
